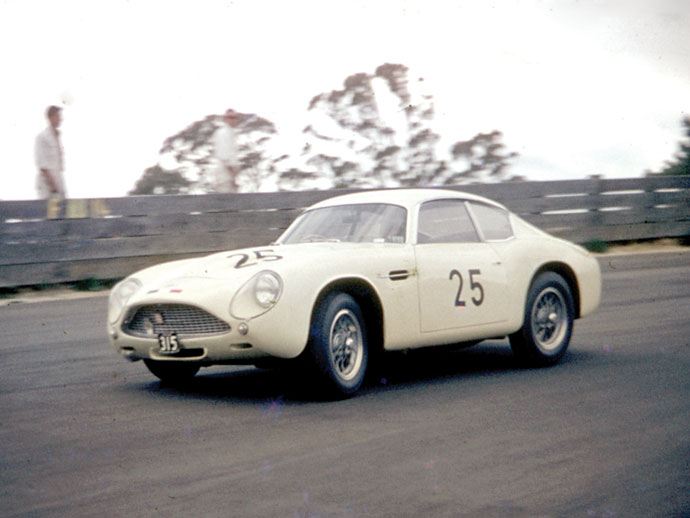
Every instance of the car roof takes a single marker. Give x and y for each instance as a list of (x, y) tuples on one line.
[(407, 198)]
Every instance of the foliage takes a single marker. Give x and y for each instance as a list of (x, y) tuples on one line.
[(157, 180), (354, 144), (680, 165), (8, 292), (192, 150), (375, 131), (294, 179), (93, 284), (596, 245)]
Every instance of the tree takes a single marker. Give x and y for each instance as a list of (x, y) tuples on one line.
[(294, 179), (345, 130), (680, 165), (350, 141), (157, 180), (192, 151), (483, 155)]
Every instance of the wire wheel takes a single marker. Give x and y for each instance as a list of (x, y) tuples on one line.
[(549, 319), (548, 322), (346, 345), (338, 347)]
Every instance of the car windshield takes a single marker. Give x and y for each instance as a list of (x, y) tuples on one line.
[(357, 223)]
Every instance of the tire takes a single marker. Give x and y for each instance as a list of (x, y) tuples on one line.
[(338, 345), (466, 345), (172, 372), (271, 364), (548, 322)]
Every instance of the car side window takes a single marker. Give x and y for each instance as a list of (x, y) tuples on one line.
[(493, 222), (445, 221)]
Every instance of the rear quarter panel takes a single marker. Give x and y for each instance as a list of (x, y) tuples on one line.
[(524, 256)]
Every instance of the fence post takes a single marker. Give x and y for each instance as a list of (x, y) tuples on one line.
[(598, 216), (54, 207)]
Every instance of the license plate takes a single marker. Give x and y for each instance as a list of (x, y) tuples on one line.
[(169, 344)]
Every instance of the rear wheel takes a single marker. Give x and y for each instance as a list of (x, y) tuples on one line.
[(172, 372), (548, 321), (338, 345)]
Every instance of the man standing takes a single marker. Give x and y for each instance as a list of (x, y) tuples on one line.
[(225, 153), (49, 157)]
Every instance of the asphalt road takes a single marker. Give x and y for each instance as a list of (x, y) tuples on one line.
[(605, 433)]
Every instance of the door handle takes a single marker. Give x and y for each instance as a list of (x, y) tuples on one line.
[(396, 275)]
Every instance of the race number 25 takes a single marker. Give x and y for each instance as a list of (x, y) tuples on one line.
[(475, 286), (260, 255)]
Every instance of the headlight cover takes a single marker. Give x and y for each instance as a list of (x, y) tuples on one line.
[(119, 296), (257, 295)]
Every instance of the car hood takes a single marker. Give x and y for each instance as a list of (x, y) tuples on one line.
[(239, 265), (212, 281)]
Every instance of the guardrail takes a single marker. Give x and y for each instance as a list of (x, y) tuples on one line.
[(111, 237)]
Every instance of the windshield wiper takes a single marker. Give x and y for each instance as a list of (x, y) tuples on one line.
[(320, 240)]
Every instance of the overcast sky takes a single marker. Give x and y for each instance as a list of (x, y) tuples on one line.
[(577, 87)]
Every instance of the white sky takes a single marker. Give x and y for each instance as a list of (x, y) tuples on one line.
[(577, 87)]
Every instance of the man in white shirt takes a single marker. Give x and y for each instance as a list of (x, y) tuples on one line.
[(50, 182), (225, 152)]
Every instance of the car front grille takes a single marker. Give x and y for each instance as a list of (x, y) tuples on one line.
[(153, 320)]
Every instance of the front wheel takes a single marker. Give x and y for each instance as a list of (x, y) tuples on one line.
[(548, 321), (172, 372), (338, 344)]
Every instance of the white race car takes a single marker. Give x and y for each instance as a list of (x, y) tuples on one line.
[(356, 275)]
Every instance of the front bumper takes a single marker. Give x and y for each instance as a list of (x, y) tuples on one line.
[(281, 332), (228, 348)]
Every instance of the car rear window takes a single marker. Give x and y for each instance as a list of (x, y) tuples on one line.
[(493, 222), (445, 221)]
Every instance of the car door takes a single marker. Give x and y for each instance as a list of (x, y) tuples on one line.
[(460, 278)]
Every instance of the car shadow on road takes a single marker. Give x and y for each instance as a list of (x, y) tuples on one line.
[(440, 365), (396, 371)]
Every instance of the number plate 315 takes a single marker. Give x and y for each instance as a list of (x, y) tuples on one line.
[(169, 344)]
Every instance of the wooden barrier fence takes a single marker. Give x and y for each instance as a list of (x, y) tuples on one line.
[(112, 237)]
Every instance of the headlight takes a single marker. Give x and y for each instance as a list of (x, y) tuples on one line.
[(119, 296), (257, 295), (267, 288)]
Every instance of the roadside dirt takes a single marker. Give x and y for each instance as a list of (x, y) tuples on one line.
[(661, 245)]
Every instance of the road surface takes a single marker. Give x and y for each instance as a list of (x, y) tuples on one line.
[(452, 433)]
